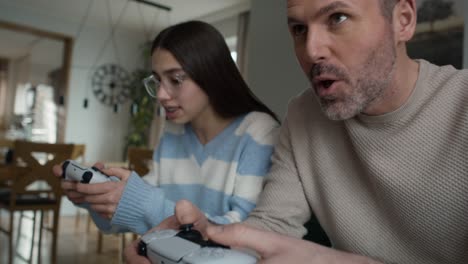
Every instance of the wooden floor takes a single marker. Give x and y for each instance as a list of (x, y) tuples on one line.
[(76, 244)]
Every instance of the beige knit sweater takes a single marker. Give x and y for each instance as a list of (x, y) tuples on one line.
[(392, 187)]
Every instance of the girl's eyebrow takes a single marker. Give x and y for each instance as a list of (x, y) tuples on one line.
[(172, 71), (169, 71)]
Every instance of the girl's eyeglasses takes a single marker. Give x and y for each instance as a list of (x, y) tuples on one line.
[(171, 85)]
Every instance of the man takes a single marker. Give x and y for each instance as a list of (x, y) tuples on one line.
[(376, 149)]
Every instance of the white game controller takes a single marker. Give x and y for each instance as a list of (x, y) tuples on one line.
[(75, 172), (187, 246)]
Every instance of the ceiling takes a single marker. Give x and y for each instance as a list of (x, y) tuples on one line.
[(134, 16)]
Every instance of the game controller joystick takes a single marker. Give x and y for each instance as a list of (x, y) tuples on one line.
[(188, 246), (75, 172), (188, 233)]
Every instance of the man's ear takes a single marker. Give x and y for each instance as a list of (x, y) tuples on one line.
[(404, 20)]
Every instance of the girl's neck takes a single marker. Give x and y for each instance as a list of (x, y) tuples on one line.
[(209, 126)]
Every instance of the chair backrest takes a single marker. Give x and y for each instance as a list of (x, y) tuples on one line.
[(140, 159), (6, 149), (79, 153), (37, 159)]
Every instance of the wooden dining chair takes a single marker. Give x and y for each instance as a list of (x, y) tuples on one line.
[(140, 159), (6, 152), (6, 147), (79, 151), (33, 187)]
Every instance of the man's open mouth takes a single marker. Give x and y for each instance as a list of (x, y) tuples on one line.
[(327, 83)]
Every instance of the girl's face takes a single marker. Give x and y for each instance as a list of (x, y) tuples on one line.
[(183, 100)]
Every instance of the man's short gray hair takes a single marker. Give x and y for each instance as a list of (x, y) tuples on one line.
[(386, 7)]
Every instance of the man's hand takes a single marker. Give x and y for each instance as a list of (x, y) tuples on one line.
[(274, 248), (131, 254), (185, 213)]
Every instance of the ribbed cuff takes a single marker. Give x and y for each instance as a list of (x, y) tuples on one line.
[(133, 205)]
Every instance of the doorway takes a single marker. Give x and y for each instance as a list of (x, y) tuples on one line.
[(34, 79)]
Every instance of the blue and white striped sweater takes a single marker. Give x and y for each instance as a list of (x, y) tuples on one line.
[(223, 177)]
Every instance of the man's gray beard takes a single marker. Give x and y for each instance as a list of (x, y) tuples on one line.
[(341, 110), (366, 90)]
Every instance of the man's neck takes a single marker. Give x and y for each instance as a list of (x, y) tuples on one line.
[(404, 81)]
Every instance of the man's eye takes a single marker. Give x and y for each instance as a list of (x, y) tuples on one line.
[(298, 30), (337, 18)]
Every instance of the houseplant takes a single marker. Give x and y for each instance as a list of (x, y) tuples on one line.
[(142, 111)]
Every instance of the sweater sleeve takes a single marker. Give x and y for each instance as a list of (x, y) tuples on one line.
[(254, 163), (101, 223), (141, 207), (282, 206)]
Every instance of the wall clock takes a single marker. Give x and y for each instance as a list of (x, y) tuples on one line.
[(111, 84)]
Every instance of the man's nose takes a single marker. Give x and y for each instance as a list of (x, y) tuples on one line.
[(317, 46)]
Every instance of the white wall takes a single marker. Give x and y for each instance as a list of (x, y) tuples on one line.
[(272, 70), (227, 26), (102, 130)]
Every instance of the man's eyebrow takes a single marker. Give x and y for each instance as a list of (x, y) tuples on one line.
[(293, 21), (322, 11), (330, 8)]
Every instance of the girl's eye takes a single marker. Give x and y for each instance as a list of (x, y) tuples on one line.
[(177, 80), (338, 18), (298, 30)]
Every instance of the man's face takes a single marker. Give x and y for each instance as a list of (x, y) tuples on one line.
[(346, 48)]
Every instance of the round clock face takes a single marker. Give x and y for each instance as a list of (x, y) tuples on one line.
[(111, 84)]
